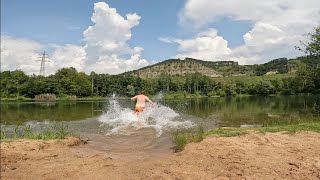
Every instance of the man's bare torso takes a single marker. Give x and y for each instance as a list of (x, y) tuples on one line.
[(141, 100)]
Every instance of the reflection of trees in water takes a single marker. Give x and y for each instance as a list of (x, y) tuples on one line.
[(18, 113), (250, 109), (317, 108), (230, 110)]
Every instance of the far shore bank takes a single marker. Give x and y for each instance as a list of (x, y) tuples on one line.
[(167, 96)]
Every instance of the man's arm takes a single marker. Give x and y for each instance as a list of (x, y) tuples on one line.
[(150, 101), (133, 98)]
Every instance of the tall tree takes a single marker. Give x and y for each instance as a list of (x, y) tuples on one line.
[(312, 47)]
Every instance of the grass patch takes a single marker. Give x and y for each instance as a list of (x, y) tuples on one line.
[(94, 98), (182, 95), (182, 137), (18, 98), (228, 132), (180, 140), (53, 131), (292, 128)]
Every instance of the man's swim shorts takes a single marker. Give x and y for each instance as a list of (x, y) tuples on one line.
[(139, 109)]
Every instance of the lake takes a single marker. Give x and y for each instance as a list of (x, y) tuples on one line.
[(208, 112), (112, 126)]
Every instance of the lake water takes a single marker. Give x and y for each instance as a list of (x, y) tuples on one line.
[(113, 119), (212, 112)]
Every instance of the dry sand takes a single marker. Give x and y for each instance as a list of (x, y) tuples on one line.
[(252, 156)]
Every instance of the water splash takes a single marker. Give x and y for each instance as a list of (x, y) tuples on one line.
[(159, 96), (119, 119)]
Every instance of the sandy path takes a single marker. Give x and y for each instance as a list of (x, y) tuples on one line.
[(253, 156)]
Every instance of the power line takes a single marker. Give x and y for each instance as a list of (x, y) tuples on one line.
[(43, 60)]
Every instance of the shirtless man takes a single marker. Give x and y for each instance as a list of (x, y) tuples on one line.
[(141, 102)]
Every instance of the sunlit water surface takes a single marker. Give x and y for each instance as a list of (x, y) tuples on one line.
[(113, 126)]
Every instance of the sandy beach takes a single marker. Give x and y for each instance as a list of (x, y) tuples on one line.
[(252, 156)]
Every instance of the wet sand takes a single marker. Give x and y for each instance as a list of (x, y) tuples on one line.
[(252, 156)]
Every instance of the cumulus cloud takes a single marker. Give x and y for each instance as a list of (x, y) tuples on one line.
[(278, 25), (107, 41), (276, 12), (105, 49), (67, 56), (115, 64), (21, 54), (206, 46), (25, 55)]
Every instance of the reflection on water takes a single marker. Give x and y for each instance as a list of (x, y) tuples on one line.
[(208, 112), (237, 111), (113, 127), (21, 112)]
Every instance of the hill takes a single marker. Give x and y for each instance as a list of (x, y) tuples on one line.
[(176, 67), (224, 68)]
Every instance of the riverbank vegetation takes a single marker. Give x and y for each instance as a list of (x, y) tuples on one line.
[(16, 85), (53, 131), (184, 136)]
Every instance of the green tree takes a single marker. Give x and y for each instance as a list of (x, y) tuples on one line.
[(312, 47), (164, 81), (304, 78), (130, 90), (11, 82), (73, 83), (316, 80), (240, 87), (264, 88)]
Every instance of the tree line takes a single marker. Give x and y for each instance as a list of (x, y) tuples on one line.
[(67, 81)]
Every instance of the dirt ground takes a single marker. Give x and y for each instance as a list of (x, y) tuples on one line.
[(253, 156)]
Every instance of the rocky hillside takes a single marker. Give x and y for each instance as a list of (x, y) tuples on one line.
[(223, 68), (183, 67)]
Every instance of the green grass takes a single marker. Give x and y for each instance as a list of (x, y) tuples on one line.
[(227, 132), (284, 127), (53, 131), (180, 140), (95, 98), (19, 98), (182, 95), (292, 128), (182, 137)]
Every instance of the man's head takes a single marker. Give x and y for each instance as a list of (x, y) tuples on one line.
[(142, 92)]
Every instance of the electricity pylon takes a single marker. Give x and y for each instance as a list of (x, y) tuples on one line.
[(43, 61)]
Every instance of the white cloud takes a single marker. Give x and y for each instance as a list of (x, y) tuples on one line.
[(201, 12), (206, 46), (106, 48), (20, 54), (25, 55), (67, 56), (278, 25), (113, 63), (107, 41)]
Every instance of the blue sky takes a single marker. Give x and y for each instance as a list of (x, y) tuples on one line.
[(202, 29), (61, 22)]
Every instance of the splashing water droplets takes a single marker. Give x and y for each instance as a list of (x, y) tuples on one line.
[(123, 120)]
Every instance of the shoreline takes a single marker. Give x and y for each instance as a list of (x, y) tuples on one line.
[(170, 96), (254, 156)]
